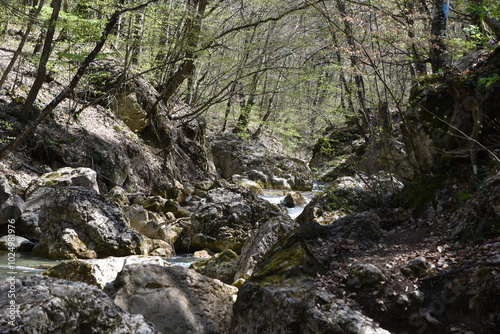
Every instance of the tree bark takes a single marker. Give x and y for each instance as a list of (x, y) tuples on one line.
[(20, 47), (74, 81), (44, 58), (438, 50)]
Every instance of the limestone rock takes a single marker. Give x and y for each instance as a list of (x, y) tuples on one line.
[(418, 267), (349, 195), (227, 218), (50, 305), (364, 276), (479, 216), (126, 107), (281, 295), (11, 204), (99, 272), (294, 199), (261, 241), (76, 223), (64, 177), (19, 244), (255, 162), (175, 299), (221, 266)]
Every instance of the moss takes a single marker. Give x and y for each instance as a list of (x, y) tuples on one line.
[(421, 193)]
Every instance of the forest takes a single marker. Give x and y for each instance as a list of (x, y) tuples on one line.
[(250, 166), (252, 67)]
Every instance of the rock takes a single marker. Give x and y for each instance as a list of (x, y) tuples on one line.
[(154, 203), (294, 199), (418, 267), (363, 276), (126, 107), (282, 296), (64, 177), (99, 272), (50, 305), (138, 218), (118, 195), (175, 299), (76, 223), (17, 243), (175, 208), (261, 241), (433, 127), (349, 195), (11, 204), (202, 254), (255, 162), (247, 183), (478, 218), (221, 266), (226, 219)]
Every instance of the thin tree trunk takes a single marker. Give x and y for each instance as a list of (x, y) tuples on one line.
[(21, 45), (72, 85), (44, 58), (438, 52)]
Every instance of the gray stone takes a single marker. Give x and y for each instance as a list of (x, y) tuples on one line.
[(99, 272), (362, 276), (76, 223), (11, 204), (50, 305), (175, 299), (16, 243), (64, 177), (294, 199), (221, 266), (227, 219), (419, 266)]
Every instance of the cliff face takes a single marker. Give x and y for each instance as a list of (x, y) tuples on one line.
[(456, 115)]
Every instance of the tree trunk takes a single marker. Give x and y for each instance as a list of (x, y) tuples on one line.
[(21, 45), (438, 51), (44, 58), (72, 85)]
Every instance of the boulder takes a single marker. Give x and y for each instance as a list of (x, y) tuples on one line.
[(260, 242), (16, 243), (126, 107), (65, 177), (76, 223), (418, 267), (221, 266), (479, 216), (50, 305), (253, 161), (227, 218), (99, 272), (349, 195), (437, 133), (282, 295), (363, 276), (174, 299), (11, 204), (294, 199)]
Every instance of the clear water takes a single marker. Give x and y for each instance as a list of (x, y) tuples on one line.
[(26, 264), (277, 196)]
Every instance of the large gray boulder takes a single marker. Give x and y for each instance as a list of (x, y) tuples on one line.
[(76, 223), (11, 204), (282, 295), (65, 177), (256, 163), (260, 242), (99, 272), (175, 299), (50, 305), (227, 218)]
